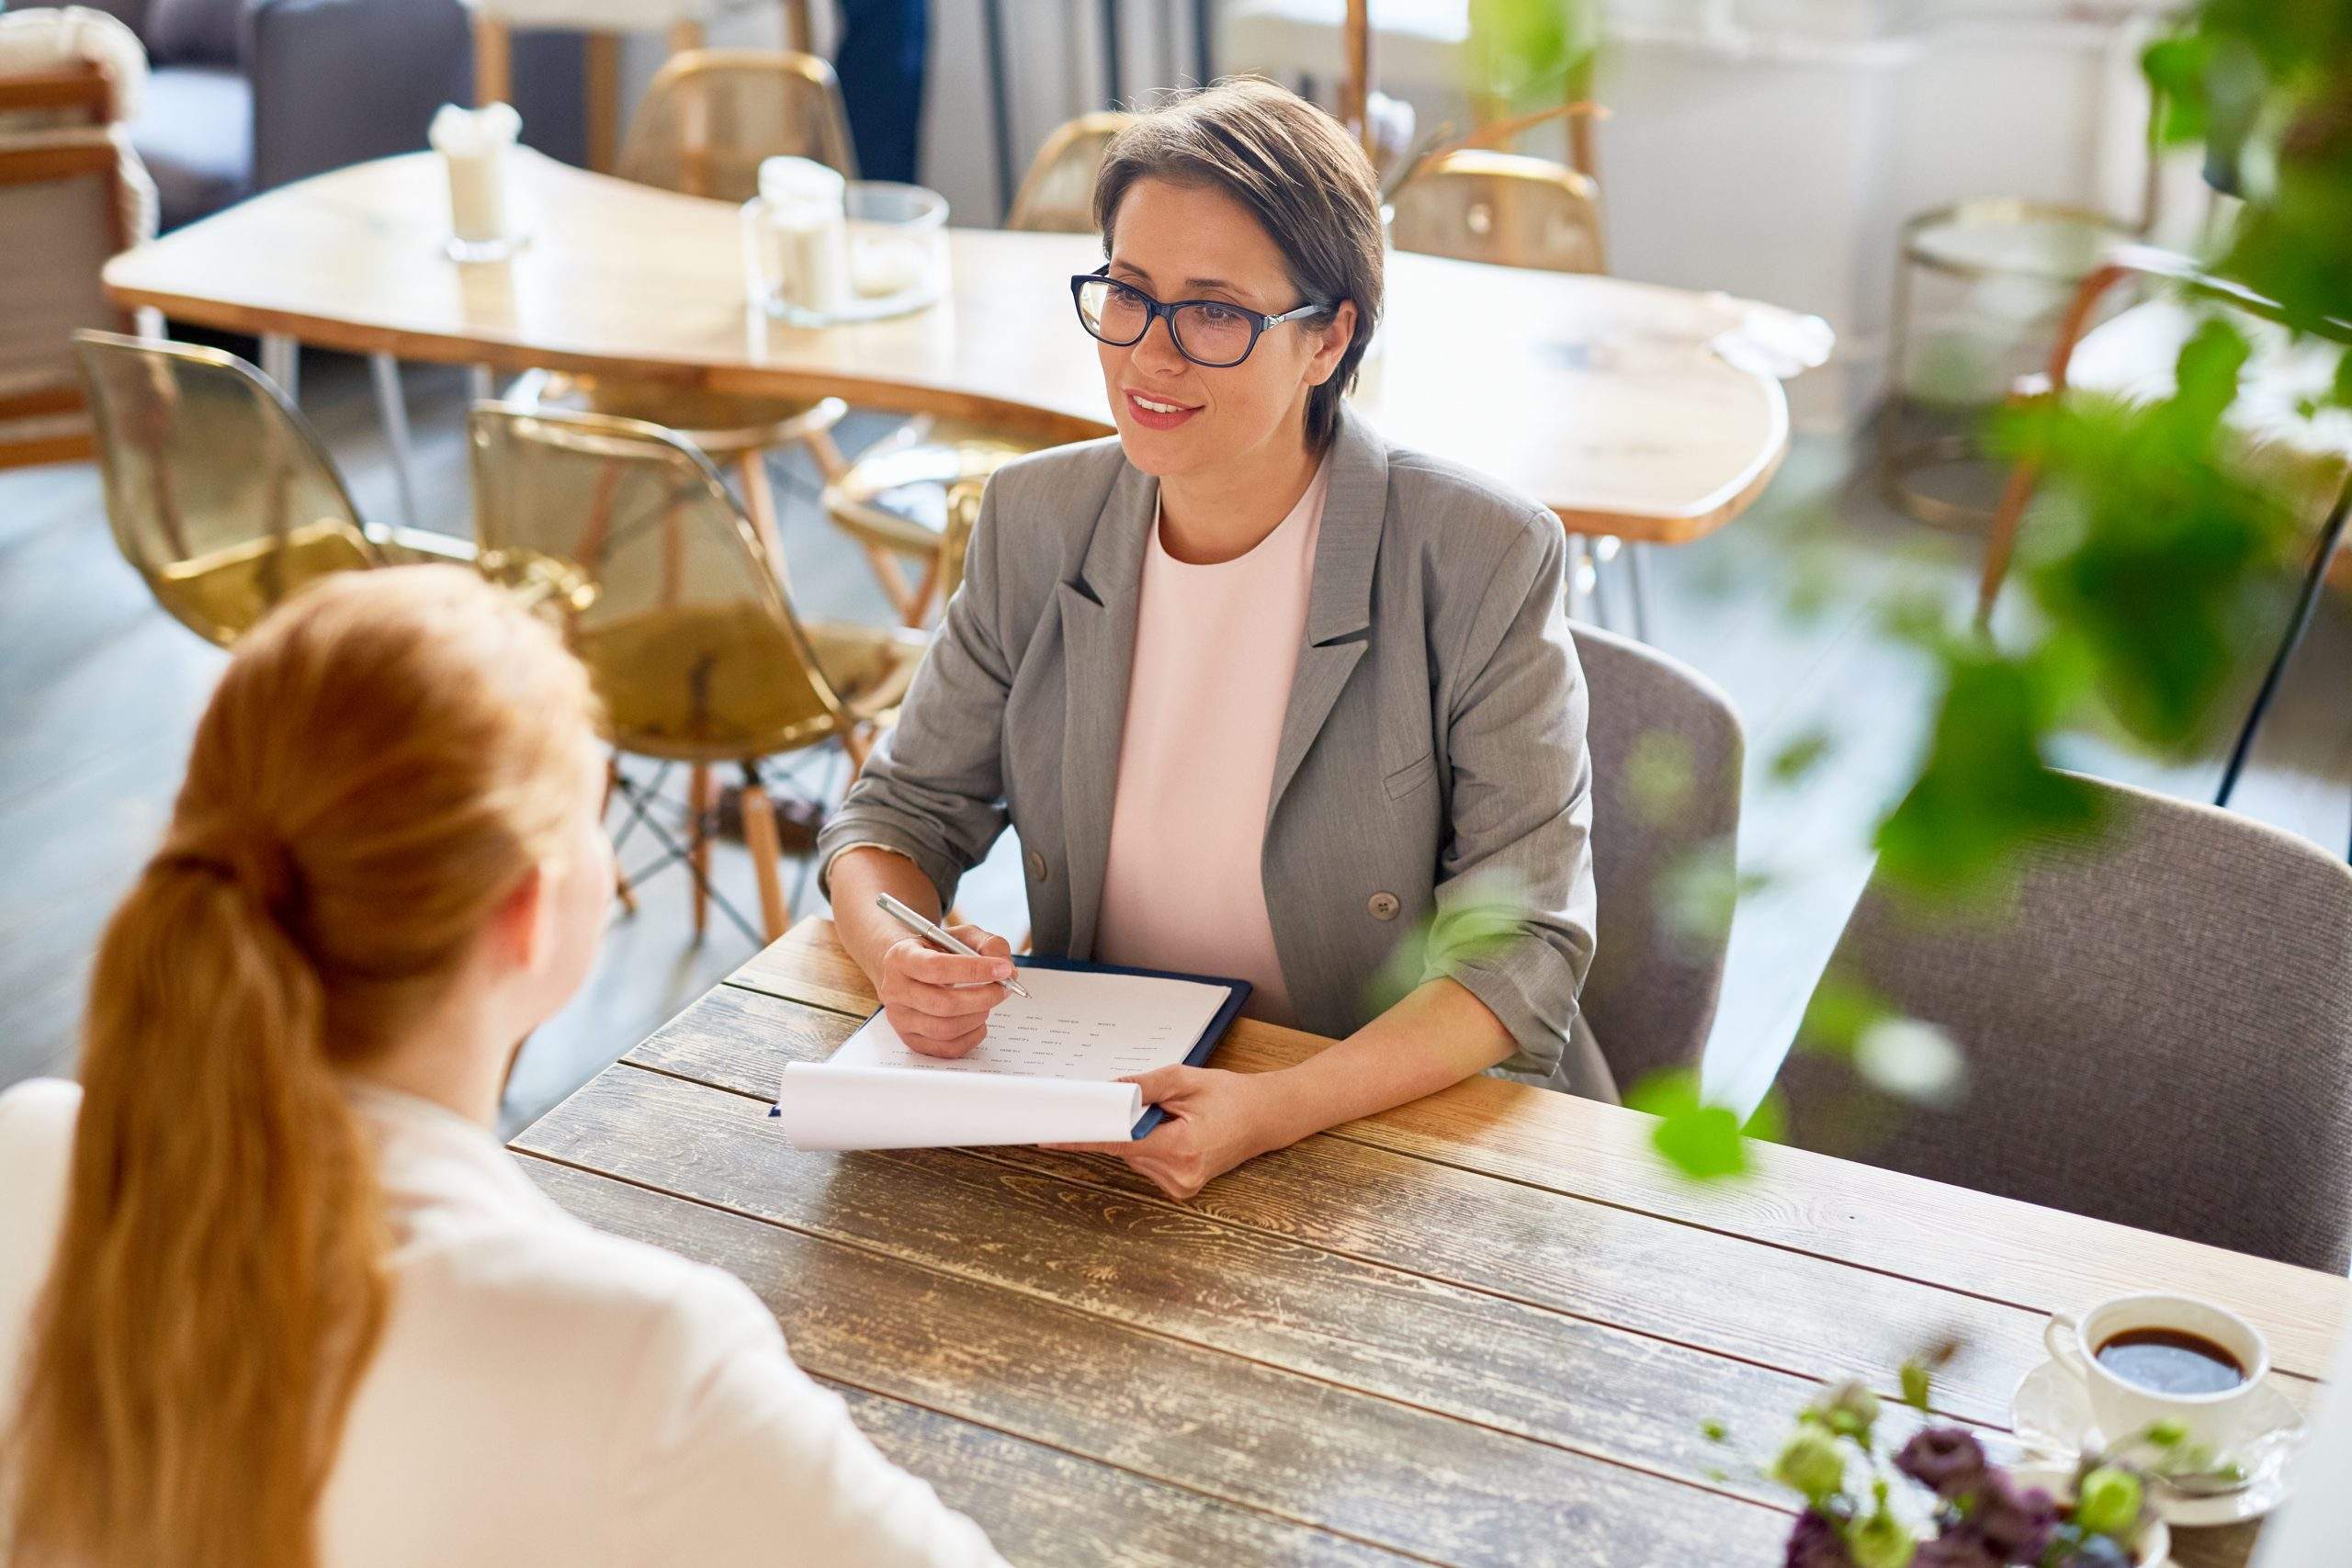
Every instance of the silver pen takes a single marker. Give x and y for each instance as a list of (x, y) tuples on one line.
[(932, 933)]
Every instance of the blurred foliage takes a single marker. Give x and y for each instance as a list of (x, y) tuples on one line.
[(1478, 919), (1523, 50), (1700, 1140), (2154, 565)]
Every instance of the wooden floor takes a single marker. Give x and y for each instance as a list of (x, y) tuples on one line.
[(99, 690)]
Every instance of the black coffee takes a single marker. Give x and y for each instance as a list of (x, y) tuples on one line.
[(2166, 1361)]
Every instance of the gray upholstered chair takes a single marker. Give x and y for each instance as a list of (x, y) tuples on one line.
[(1666, 751), (2157, 1026)]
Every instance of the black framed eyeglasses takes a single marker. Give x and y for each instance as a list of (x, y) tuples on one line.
[(1212, 333)]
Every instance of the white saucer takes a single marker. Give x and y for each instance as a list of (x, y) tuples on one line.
[(2052, 1417)]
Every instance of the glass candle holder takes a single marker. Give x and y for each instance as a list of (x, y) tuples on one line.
[(897, 249)]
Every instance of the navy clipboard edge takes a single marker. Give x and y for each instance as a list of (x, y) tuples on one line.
[(1237, 993)]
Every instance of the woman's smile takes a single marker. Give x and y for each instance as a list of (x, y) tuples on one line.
[(1157, 413)]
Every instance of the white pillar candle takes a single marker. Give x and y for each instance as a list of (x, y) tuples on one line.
[(473, 145), (799, 237)]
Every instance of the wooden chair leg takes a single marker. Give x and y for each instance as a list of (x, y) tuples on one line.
[(758, 497), (828, 454), (859, 743), (699, 803), (621, 889), (601, 96), (759, 838), (493, 62), (893, 578), (926, 593)]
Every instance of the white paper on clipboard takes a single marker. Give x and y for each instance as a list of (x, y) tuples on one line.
[(1046, 1072)]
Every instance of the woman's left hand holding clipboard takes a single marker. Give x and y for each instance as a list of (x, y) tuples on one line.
[(1215, 1119)]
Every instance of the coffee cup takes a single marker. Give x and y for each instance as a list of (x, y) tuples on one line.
[(2151, 1359)]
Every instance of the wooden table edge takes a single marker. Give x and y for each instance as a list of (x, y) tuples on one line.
[(1047, 426)]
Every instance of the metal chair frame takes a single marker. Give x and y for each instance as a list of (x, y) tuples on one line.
[(2149, 262), (1899, 454)]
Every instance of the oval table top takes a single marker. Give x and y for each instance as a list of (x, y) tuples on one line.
[(1600, 397)]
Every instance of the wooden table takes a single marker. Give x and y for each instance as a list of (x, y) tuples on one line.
[(1599, 396), (1484, 1327)]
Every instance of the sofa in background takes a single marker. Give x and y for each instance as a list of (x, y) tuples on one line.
[(246, 95)]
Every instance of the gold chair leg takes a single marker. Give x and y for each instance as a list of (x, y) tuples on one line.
[(698, 807), (759, 838)]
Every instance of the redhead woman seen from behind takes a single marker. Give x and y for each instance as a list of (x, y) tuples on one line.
[(271, 1294)]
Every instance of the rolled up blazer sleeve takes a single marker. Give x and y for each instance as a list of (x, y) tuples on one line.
[(1520, 846), (934, 789)]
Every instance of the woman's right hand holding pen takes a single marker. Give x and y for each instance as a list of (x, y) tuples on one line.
[(939, 1002)]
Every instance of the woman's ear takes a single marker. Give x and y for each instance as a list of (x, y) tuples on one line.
[(522, 926), (1334, 346)]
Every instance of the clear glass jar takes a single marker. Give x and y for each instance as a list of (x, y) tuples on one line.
[(898, 248)]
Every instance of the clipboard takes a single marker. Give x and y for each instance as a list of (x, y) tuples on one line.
[(1237, 998), (885, 1096)]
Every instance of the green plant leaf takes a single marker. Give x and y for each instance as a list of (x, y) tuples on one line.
[(1984, 787), (1793, 762), (1660, 773), (1703, 1142)]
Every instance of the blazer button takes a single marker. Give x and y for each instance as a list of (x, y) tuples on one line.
[(1384, 906), (1036, 866)]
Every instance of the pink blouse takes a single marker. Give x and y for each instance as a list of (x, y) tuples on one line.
[(1215, 648)]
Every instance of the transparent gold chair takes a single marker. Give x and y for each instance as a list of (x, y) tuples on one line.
[(218, 490), (711, 116), (1057, 196), (896, 499), (1475, 204), (708, 119), (681, 618)]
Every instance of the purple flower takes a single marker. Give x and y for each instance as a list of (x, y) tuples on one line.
[(1958, 1548), (1945, 1460), (1815, 1543), (2016, 1525)]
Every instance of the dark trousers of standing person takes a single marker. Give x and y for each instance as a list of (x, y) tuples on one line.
[(880, 64)]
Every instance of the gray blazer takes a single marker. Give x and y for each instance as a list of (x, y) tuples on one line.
[(1432, 755)]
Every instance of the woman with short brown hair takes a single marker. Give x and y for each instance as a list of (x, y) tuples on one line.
[(1263, 696)]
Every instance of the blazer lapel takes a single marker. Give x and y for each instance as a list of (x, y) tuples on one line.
[(1098, 611), (1339, 602)]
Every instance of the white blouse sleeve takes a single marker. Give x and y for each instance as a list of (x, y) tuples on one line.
[(731, 1454)]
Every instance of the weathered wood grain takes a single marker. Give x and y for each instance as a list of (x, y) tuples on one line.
[(1540, 1375), (1038, 1504), (1721, 1293), (1995, 1248), (1254, 1436)]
